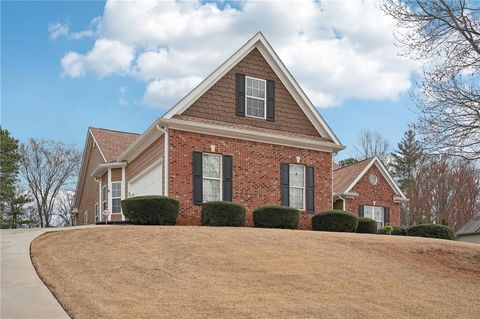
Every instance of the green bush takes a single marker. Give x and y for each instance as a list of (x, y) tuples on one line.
[(151, 210), (431, 231), (276, 217), (367, 226), (399, 231), (335, 220), (223, 214)]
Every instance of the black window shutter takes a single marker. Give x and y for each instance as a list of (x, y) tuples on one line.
[(310, 189), (270, 100), (284, 184), (227, 178), (360, 210), (240, 94), (386, 215), (197, 178)]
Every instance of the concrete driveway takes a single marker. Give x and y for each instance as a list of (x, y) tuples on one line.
[(23, 294)]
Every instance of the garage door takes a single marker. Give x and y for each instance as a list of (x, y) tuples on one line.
[(148, 183)]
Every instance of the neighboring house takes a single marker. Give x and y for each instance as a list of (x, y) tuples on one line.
[(247, 134), (470, 232), (367, 189)]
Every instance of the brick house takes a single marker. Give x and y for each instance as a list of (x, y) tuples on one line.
[(247, 133), (367, 189)]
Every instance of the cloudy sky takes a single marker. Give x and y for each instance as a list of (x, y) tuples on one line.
[(120, 65)]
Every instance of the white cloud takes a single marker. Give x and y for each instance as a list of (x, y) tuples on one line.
[(57, 29), (336, 50), (107, 57)]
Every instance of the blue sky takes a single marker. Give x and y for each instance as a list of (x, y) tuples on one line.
[(55, 81)]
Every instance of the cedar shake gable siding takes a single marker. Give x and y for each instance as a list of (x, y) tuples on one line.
[(219, 102)]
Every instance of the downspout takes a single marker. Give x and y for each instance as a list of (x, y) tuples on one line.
[(164, 129)]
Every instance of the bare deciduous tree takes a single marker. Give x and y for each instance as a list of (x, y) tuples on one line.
[(372, 144), (444, 189), (64, 208), (446, 35), (47, 167)]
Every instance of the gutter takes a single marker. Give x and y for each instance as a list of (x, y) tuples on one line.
[(102, 168)]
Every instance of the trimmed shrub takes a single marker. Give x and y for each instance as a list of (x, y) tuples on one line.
[(399, 231), (336, 221), (431, 231), (151, 210), (219, 213), (276, 217), (386, 230), (367, 226)]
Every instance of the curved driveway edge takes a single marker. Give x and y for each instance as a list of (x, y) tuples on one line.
[(23, 294)]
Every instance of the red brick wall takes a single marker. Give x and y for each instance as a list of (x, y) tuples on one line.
[(380, 194), (256, 173)]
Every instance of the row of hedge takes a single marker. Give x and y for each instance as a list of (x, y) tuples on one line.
[(161, 210)]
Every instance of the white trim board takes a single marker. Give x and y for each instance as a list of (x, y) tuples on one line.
[(383, 170), (249, 135)]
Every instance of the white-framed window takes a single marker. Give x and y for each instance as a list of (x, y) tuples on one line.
[(97, 212), (376, 213), (212, 177), (85, 217), (255, 97), (116, 197), (296, 188), (104, 198)]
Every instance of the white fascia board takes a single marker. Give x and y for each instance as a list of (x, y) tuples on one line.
[(141, 143), (375, 160), (98, 146), (259, 42), (244, 134), (102, 168)]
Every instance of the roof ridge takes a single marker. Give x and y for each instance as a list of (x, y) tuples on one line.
[(365, 159), (110, 130)]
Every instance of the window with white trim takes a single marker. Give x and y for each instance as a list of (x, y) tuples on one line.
[(212, 177), (104, 198), (116, 197), (376, 213), (255, 97), (296, 188)]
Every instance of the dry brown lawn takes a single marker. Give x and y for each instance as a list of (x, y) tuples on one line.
[(202, 272)]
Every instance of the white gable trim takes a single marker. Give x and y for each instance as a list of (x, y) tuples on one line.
[(98, 145), (383, 170), (259, 42)]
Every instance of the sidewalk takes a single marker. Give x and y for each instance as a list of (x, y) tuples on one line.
[(22, 293)]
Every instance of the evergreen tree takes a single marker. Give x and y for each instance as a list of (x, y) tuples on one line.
[(347, 161), (406, 159), (11, 202)]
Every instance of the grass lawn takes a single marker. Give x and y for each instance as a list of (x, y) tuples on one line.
[(203, 272)]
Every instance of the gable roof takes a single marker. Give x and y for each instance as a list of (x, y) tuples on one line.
[(345, 178), (261, 44), (470, 228), (112, 143)]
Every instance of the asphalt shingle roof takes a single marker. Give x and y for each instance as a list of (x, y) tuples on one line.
[(344, 176), (112, 143)]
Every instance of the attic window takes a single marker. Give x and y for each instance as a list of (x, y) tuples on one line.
[(255, 97)]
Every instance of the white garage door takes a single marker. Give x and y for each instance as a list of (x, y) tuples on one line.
[(147, 183)]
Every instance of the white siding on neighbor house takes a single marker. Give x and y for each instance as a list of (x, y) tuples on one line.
[(149, 182), (474, 238)]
